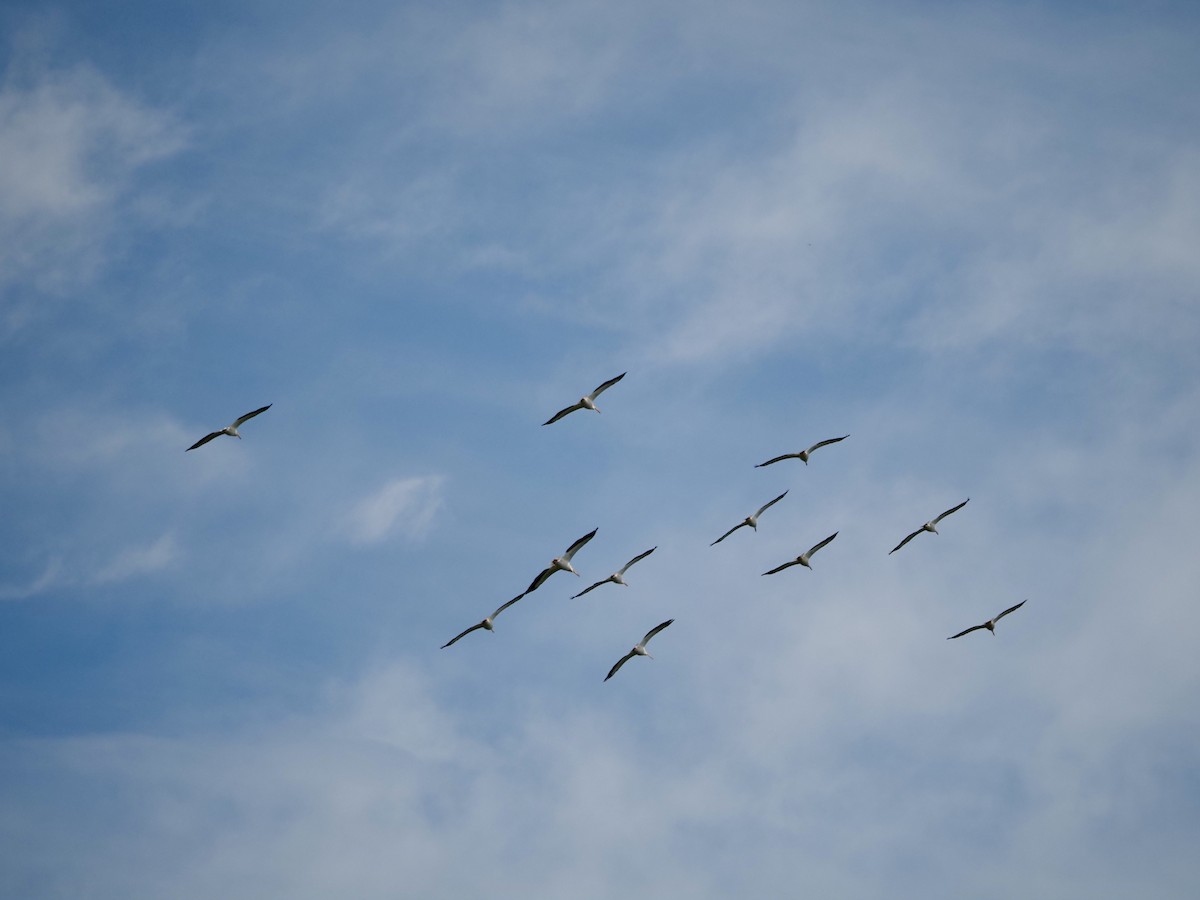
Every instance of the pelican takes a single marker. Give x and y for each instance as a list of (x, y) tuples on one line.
[(588, 402), (231, 430), (486, 623), (615, 577), (561, 563), (931, 525), (803, 454), (990, 624), (803, 558), (639, 649), (752, 521)]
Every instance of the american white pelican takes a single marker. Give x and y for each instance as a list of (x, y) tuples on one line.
[(803, 558), (931, 525), (803, 454), (231, 430), (588, 402), (752, 521), (486, 623), (990, 624), (639, 649), (615, 577), (560, 563)]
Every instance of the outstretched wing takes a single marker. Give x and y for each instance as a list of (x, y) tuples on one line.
[(824, 443), (1007, 611), (762, 509), (505, 606), (620, 662), (579, 543), (540, 580), (463, 635), (604, 387), (794, 562), (906, 540), (591, 588), (638, 558), (250, 415), (968, 631), (204, 440), (562, 412), (777, 459), (653, 631), (953, 510), (727, 534), (820, 545)]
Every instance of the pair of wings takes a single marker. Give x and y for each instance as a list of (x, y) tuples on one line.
[(580, 405), (237, 423), (550, 569), (953, 509), (746, 522), (991, 622), (796, 561), (615, 575), (804, 453), (634, 652)]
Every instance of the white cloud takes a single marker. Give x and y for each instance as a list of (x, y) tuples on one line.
[(138, 560), (407, 505)]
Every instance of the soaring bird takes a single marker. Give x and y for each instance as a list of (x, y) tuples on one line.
[(588, 402), (990, 624), (616, 577), (639, 648), (752, 521), (931, 525), (231, 430), (560, 563), (803, 558), (486, 623), (803, 454)]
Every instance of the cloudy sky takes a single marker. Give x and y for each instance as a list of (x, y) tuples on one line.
[(965, 236)]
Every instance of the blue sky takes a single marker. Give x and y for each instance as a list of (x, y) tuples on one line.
[(965, 237)]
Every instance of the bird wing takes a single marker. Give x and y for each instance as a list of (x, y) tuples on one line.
[(620, 662), (562, 412), (540, 580), (604, 387), (592, 587), (765, 507), (822, 544), (906, 540), (204, 440), (727, 534), (579, 543), (968, 631), (250, 415), (505, 606), (953, 510), (638, 558), (823, 443), (778, 458), (463, 635), (794, 562), (653, 631), (1007, 611)]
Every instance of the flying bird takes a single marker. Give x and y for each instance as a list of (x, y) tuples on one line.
[(231, 430), (803, 454), (752, 521), (588, 402), (931, 525), (990, 624), (639, 649), (561, 563), (616, 577), (486, 623), (803, 558)]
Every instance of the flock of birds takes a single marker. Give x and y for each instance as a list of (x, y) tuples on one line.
[(563, 563)]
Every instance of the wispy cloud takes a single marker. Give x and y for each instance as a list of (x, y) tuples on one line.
[(404, 505)]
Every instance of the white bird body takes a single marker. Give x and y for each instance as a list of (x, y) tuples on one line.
[(803, 455), (639, 649), (587, 402), (231, 430), (752, 520), (930, 526), (990, 624), (617, 577), (804, 558)]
